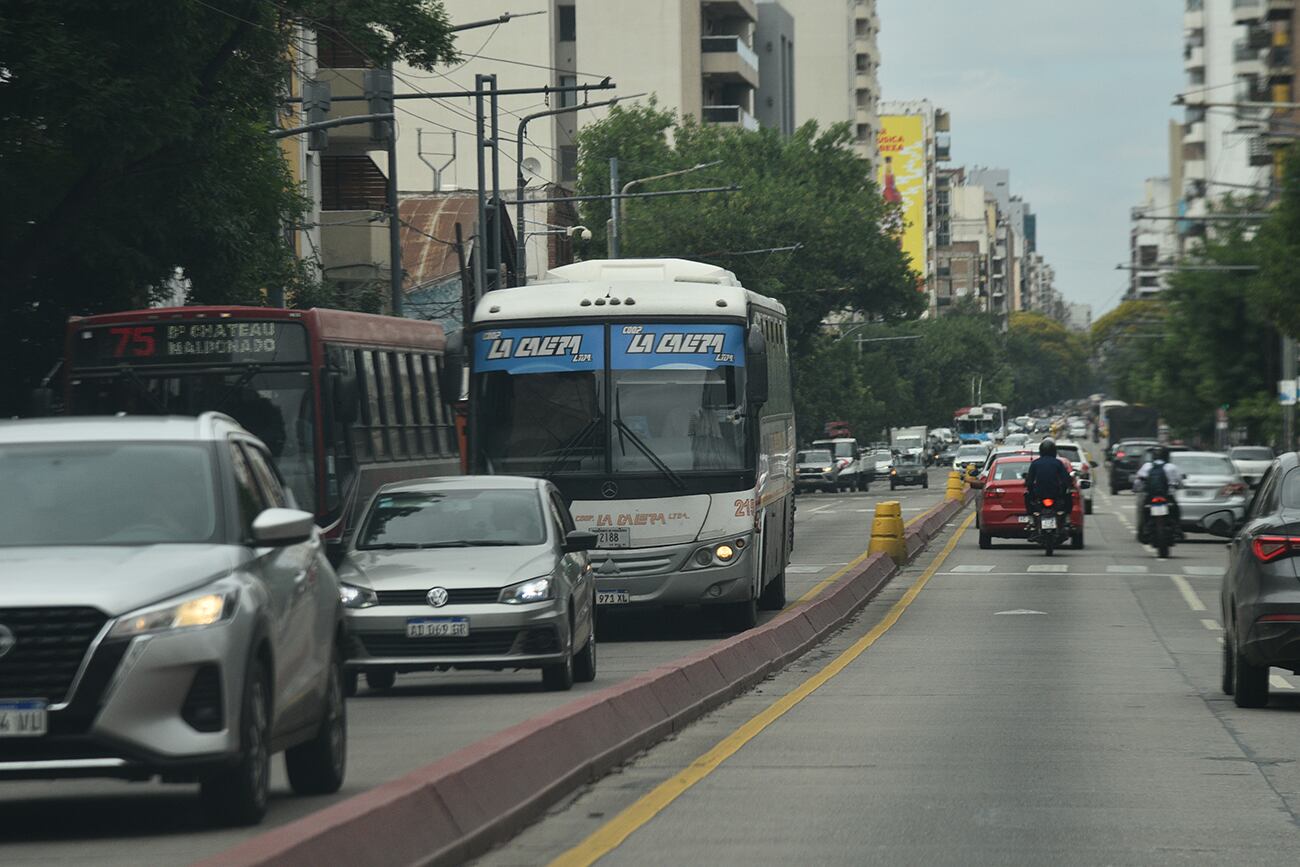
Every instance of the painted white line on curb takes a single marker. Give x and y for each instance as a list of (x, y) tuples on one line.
[(1189, 595)]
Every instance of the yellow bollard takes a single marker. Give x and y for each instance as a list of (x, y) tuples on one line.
[(956, 488), (887, 531)]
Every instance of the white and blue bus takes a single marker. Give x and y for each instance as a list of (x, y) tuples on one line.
[(656, 395)]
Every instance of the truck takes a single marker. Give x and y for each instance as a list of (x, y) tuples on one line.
[(1132, 423), (908, 440)]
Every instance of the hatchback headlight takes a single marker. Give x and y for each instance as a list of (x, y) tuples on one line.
[(536, 590), (357, 597), (190, 613)]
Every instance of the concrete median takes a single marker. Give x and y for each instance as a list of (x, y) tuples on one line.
[(464, 803)]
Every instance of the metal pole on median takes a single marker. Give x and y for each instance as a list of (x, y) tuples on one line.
[(480, 277), (394, 225), (1288, 377), (494, 243), (612, 234)]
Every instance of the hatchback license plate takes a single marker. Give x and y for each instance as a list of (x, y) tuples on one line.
[(1159, 511), (23, 718), (1049, 523), (613, 537), (612, 597), (438, 627)]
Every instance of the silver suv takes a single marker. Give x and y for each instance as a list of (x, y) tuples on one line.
[(164, 611)]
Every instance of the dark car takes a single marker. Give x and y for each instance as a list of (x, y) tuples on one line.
[(946, 457), (814, 470), (908, 470), (1129, 457), (1260, 598)]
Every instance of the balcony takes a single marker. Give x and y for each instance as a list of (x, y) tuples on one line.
[(1247, 61), (1194, 133), (1194, 19), (729, 115), (1280, 10), (730, 59), (1279, 63), (943, 147), (1260, 154), (354, 244), (867, 47), (1247, 11), (1193, 57), (731, 9)]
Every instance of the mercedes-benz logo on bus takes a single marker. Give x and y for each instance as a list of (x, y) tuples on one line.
[(7, 640), (437, 597), (609, 490)]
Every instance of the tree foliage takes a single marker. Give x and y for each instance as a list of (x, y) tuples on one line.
[(808, 190), (133, 145), (1048, 361)]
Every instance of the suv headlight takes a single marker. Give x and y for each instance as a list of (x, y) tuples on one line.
[(526, 592), (192, 612), (357, 597)]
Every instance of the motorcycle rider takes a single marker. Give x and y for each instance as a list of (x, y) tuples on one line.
[(1173, 478), (1048, 479)]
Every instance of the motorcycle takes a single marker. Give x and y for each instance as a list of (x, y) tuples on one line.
[(1158, 525), (1049, 524)]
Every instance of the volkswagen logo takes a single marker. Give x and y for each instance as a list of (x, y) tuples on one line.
[(437, 597), (7, 640), (609, 490)]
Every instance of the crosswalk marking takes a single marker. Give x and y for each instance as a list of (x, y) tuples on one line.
[(1203, 570), (1046, 568), (1127, 569), (973, 568)]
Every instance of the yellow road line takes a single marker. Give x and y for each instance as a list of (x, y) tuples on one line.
[(613, 833)]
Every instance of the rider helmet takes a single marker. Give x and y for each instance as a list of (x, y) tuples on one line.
[(1162, 454), (1047, 448)]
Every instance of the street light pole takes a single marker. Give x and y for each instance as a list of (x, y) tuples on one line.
[(616, 210)]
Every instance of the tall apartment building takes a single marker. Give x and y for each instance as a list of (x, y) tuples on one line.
[(1153, 243), (1264, 60), (837, 67), (913, 142)]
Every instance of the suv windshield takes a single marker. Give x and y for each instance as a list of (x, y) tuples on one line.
[(817, 456), (107, 493), (452, 519), (840, 448)]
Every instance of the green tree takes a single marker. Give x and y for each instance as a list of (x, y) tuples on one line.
[(1048, 361), (808, 190), (1278, 252), (133, 145)]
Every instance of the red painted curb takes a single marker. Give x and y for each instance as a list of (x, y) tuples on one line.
[(462, 804)]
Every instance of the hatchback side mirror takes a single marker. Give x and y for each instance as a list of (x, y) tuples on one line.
[(579, 540), (277, 528)]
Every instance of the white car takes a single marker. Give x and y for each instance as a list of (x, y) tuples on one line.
[(1078, 458), (1251, 462)]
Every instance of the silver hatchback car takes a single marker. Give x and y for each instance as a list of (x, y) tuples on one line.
[(164, 611), (470, 572)]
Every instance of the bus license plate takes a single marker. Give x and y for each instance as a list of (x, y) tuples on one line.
[(612, 597), (1159, 511), (614, 537), (438, 627), (23, 718), (1049, 523)]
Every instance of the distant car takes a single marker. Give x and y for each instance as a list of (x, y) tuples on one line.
[(475, 572), (908, 470), (165, 611), (1001, 512), (1078, 458), (1258, 598), (1251, 462), (1002, 451), (815, 470), (1016, 439), (852, 472), (947, 457), (882, 459), (1210, 484), (971, 455), (1128, 458)]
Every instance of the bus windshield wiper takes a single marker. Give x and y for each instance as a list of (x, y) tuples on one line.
[(575, 442), (128, 373), (649, 453)]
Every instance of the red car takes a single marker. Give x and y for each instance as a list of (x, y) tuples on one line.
[(1002, 512)]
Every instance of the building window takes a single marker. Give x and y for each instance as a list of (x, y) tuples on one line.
[(568, 162), (863, 63), (864, 132), (568, 23), (570, 99)]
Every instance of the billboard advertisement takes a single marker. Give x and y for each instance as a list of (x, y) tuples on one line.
[(901, 175)]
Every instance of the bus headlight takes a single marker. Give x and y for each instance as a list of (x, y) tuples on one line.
[(717, 554)]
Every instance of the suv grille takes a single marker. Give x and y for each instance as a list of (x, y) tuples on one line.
[(50, 644), (455, 596)]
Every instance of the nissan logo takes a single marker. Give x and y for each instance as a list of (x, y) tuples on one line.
[(609, 490), (7, 640), (437, 597)]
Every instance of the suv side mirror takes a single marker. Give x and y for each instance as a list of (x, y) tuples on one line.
[(277, 528), (755, 368), (579, 540)]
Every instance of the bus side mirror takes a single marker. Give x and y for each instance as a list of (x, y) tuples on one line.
[(346, 395), (451, 372), (755, 368), (42, 402)]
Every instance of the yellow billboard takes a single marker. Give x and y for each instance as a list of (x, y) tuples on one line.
[(901, 176)]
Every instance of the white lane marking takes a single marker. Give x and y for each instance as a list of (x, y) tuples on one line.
[(1203, 570), (1189, 595), (1125, 569), (1019, 611), (810, 568), (1212, 625), (1277, 681), (818, 509), (973, 568), (1061, 568)]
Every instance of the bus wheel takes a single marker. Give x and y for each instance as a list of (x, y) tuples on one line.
[(741, 616), (773, 598)]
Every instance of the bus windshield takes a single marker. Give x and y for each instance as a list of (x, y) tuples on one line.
[(274, 406), (664, 398)]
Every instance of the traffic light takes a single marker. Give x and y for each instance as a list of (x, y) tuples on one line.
[(316, 108), (379, 95)]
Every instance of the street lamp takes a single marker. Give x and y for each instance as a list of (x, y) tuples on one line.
[(615, 207)]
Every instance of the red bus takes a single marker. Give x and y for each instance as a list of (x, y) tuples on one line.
[(344, 401)]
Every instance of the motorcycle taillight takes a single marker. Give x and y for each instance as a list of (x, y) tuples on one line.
[(1049, 503)]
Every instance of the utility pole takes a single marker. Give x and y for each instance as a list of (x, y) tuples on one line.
[(1288, 378), (612, 234)]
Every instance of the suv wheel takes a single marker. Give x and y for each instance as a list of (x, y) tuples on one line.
[(1250, 682), (238, 795), (317, 766)]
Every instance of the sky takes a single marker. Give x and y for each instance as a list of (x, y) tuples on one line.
[(1073, 98)]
